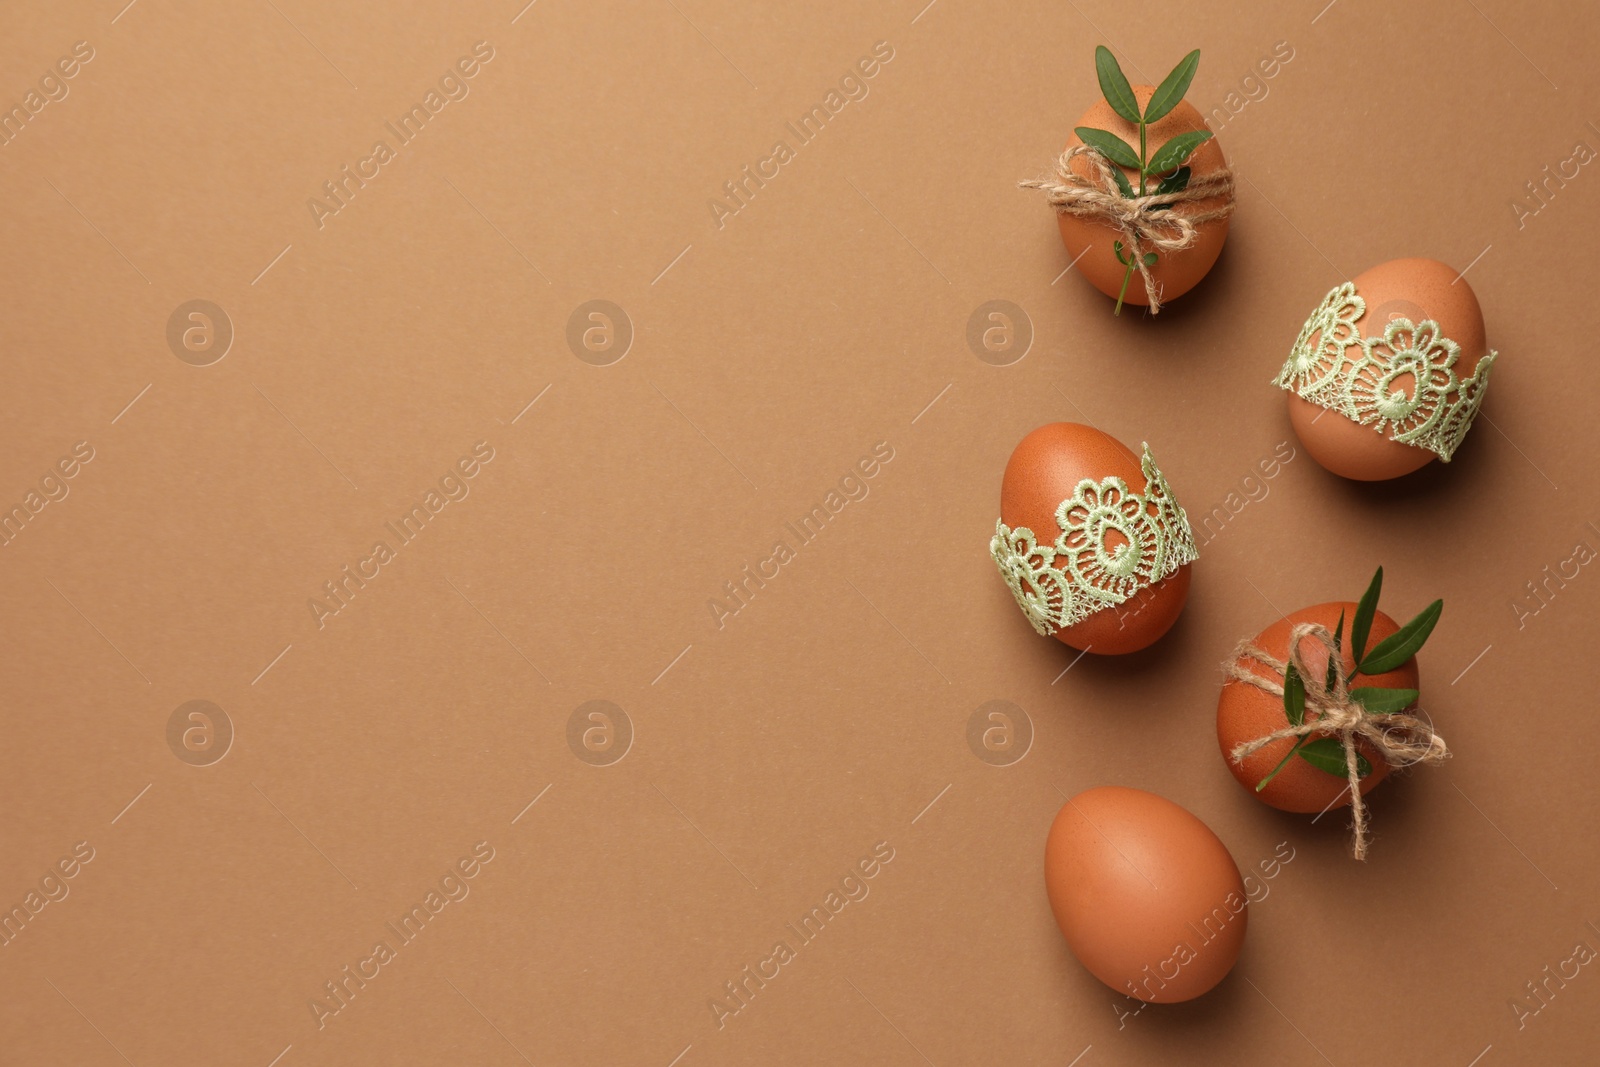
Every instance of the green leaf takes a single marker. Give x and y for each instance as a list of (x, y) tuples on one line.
[(1150, 259), (1114, 84), (1403, 643), (1174, 152), (1361, 625), (1172, 87), (1294, 696), (1176, 182), (1336, 656), (1377, 701), (1327, 754), (1122, 182), (1109, 145), (1116, 246)]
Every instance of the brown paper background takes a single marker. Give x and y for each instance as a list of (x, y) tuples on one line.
[(768, 356)]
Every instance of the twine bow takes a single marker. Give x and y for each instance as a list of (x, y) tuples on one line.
[(1399, 738), (1144, 220)]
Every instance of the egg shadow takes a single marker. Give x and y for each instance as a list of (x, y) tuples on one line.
[(1175, 1026), (1185, 1021), (1325, 830), (1210, 295), (1436, 485), (1431, 487), (1400, 815), (1116, 669)]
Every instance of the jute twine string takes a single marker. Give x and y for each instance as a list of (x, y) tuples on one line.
[(1399, 738), (1151, 220)]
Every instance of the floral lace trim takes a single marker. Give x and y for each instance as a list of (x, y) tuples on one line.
[(1061, 584), (1432, 407)]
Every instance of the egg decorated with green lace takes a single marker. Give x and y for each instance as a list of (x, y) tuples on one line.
[(1091, 540), (1389, 371)]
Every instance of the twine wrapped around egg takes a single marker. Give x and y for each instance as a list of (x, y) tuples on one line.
[(1401, 739), (1150, 220)]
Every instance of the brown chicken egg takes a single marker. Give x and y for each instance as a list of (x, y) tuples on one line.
[(1091, 243), (1096, 555), (1245, 713), (1148, 898), (1415, 290)]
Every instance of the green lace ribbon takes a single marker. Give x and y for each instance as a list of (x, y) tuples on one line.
[(1114, 542), (1437, 409)]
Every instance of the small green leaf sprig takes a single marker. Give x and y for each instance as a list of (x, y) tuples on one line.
[(1167, 164), (1327, 753)]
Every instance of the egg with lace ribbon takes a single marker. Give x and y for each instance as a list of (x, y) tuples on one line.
[(1091, 540), (1389, 371)]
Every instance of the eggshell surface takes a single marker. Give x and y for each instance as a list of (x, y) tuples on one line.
[(1148, 898)]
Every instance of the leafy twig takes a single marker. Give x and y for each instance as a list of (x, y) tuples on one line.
[(1326, 753), (1169, 158)]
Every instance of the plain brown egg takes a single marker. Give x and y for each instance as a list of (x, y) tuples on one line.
[(1245, 713), (1146, 895), (1044, 470), (1175, 273), (1414, 289)]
